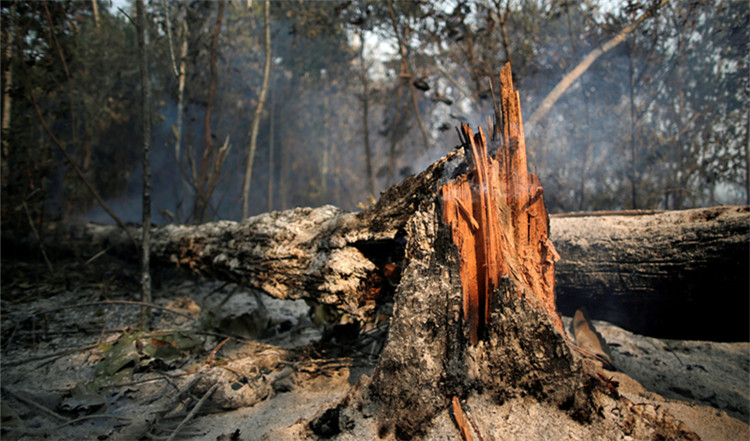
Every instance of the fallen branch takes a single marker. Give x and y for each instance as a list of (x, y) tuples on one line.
[(52, 355), (193, 412), (44, 409)]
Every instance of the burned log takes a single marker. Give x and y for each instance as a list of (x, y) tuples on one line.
[(680, 274), (653, 273)]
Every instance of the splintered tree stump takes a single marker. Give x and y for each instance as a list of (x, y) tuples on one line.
[(474, 312), (475, 309)]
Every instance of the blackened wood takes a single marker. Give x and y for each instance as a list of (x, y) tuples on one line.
[(676, 274)]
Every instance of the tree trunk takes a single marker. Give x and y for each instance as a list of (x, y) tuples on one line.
[(182, 186), (406, 73), (256, 119), (146, 146), (202, 193), (648, 272), (271, 136), (95, 10), (474, 315), (365, 115), (8, 42)]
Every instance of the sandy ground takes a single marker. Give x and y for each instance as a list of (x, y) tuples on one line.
[(52, 347)]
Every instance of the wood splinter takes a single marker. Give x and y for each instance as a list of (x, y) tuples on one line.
[(461, 420), (498, 219)]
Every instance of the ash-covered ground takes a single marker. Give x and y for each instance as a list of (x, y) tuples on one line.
[(220, 362)]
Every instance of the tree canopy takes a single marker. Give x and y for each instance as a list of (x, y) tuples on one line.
[(362, 94)]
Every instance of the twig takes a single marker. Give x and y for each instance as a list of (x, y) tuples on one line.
[(37, 237), (205, 298), (210, 358), (38, 406), (54, 354), (169, 38), (123, 302), (226, 299), (89, 417), (452, 80), (193, 412), (97, 255), (127, 16), (187, 434), (461, 421), (607, 213), (146, 380)]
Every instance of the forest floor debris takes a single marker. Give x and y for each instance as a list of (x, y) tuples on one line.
[(75, 365)]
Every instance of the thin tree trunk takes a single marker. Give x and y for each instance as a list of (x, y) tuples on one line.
[(203, 197), (365, 114), (570, 78), (182, 75), (9, 28), (407, 74), (95, 9), (325, 160), (504, 31), (587, 144), (271, 130), (168, 26), (747, 157), (71, 98), (633, 145), (415, 103), (146, 143), (585, 158), (256, 119), (283, 150), (394, 138)]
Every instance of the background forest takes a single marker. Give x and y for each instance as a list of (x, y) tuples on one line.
[(359, 95)]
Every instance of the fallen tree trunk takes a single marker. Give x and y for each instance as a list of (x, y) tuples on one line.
[(680, 274), (653, 273)]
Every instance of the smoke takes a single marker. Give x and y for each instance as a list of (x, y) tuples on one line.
[(677, 142)]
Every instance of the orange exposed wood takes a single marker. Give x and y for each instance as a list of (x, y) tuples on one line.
[(461, 421), (498, 219)]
